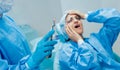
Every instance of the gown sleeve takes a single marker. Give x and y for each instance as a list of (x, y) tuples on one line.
[(110, 18), (4, 65), (20, 62)]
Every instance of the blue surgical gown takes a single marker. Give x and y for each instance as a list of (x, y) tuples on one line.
[(95, 53), (14, 49)]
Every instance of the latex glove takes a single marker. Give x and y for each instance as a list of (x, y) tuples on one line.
[(72, 34), (44, 48)]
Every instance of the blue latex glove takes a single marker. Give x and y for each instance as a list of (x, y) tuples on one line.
[(44, 48)]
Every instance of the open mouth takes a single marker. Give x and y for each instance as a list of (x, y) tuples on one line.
[(77, 26)]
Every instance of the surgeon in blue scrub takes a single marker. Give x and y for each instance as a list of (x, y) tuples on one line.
[(93, 53), (14, 50)]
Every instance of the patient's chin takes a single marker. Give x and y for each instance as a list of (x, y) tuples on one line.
[(79, 31)]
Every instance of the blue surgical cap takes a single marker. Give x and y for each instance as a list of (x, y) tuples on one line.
[(5, 6), (60, 29)]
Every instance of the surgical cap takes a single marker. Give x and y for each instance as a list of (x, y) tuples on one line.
[(5, 5)]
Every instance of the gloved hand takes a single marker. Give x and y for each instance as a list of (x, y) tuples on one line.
[(44, 48)]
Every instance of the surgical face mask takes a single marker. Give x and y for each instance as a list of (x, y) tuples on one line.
[(5, 5)]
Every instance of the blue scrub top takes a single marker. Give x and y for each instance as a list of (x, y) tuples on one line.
[(95, 53), (14, 49)]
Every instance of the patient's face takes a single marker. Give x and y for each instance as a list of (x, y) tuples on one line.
[(75, 22)]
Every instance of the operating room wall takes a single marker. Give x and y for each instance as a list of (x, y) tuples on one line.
[(88, 5), (39, 14)]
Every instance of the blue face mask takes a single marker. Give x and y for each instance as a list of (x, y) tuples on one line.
[(5, 6)]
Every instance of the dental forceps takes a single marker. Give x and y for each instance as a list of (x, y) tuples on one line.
[(53, 25)]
